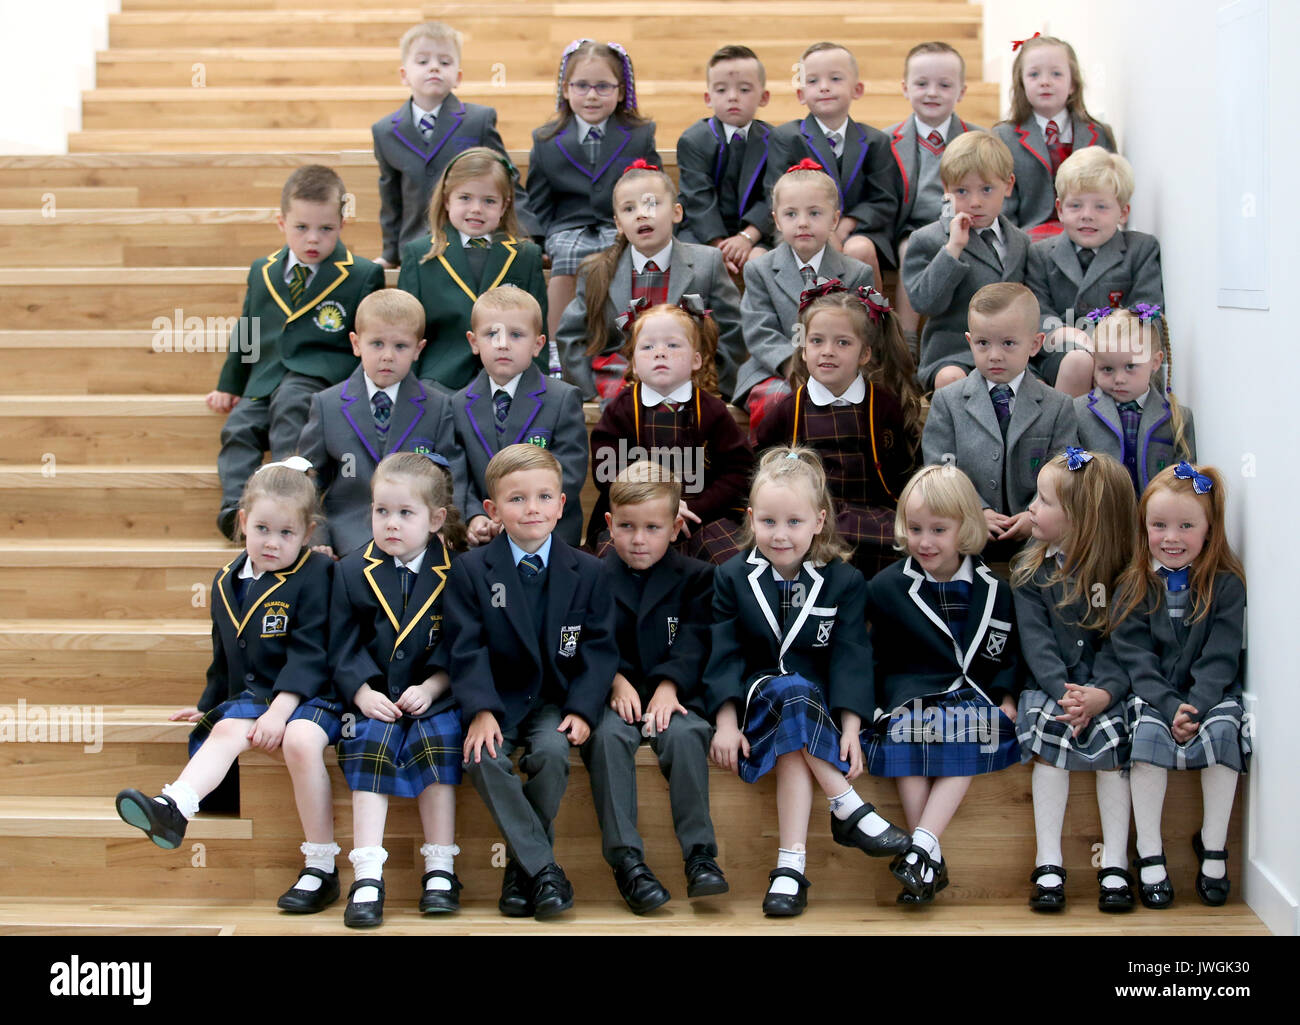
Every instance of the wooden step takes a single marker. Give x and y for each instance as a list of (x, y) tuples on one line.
[(96, 818), (112, 362), (465, 13), (118, 429), (45, 201)]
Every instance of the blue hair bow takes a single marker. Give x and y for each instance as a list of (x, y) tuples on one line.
[(1201, 484), (1075, 458)]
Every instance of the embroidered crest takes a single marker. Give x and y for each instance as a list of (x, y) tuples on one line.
[(996, 642), (435, 628), (672, 630), (569, 640), (1036, 457), (275, 624), (540, 440), (1116, 298), (824, 633), (330, 316)]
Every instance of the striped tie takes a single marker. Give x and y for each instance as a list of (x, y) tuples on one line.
[(298, 281), (407, 579), (1001, 396), (531, 565), (591, 145), (808, 274), (382, 406), (501, 407), (935, 140), (835, 138), (480, 243), (426, 127)]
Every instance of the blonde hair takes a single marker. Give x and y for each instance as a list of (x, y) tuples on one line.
[(507, 297), (804, 176), (702, 333), (518, 459), (822, 48), (1098, 503), (436, 31), (980, 152), (1124, 330), (391, 307), (1001, 296), (948, 493), (645, 481), (282, 484), (1094, 169), (475, 162), (1021, 109), (794, 468), (431, 484), (921, 49)]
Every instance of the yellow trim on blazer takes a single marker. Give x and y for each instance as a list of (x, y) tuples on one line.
[(508, 242), (441, 571), (293, 315), (281, 577)]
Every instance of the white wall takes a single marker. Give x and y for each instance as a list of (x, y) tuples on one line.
[(1149, 69), (47, 57)]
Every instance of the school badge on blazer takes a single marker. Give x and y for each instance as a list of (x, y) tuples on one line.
[(569, 640), (435, 628), (1115, 298), (824, 633), (330, 316), (672, 630), (542, 439), (275, 619), (997, 638)]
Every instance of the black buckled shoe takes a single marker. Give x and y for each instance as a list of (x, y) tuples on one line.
[(909, 873), (437, 901), (1047, 898), (552, 892), (786, 905), (639, 888), (308, 902), (364, 914), (161, 821), (1213, 892), (516, 892), (703, 876), (1156, 896), (1115, 898), (847, 834), (939, 882)]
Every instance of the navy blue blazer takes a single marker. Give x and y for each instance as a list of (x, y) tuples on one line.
[(495, 659), (701, 168), (276, 639), (372, 640)]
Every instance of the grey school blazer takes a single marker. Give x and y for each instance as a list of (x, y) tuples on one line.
[(1033, 198), (1125, 271)]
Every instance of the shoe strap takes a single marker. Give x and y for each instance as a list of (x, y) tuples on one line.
[(319, 874), (635, 872), (439, 873), (1155, 859), (788, 873), (1046, 870), (1119, 873), (857, 816), (376, 883)]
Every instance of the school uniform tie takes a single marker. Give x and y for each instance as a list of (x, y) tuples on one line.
[(808, 274), (670, 405), (936, 141), (501, 408), (835, 139), (1001, 396), (591, 145), (1176, 579), (1177, 594), (1086, 256), (298, 282), (729, 188), (382, 408), (427, 124), (1130, 417), (406, 578), (1053, 134), (991, 239), (1057, 150), (476, 255), (531, 565)]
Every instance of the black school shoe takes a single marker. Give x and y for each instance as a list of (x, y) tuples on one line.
[(516, 892), (1156, 896), (639, 888), (552, 892), (1115, 898), (434, 902), (939, 882), (1213, 892), (1047, 898), (786, 905), (308, 902), (703, 876), (364, 914), (887, 844), (161, 820)]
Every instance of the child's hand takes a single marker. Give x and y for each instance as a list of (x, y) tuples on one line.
[(480, 530), (958, 233), (735, 251), (221, 401), (1184, 727), (484, 731), (996, 523), (1091, 701), (685, 513), (624, 700), (417, 698), (851, 744), (1018, 527), (185, 715), (268, 729), (728, 742), (374, 705), (325, 550), (1008, 706), (576, 727), (663, 703)]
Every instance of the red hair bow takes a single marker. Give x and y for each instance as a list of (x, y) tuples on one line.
[(806, 164), (877, 305), (1016, 44), (817, 291), (639, 164)]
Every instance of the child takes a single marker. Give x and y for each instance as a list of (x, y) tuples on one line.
[(663, 604), (1094, 263), (577, 157), (644, 267), (291, 339), (856, 404), (945, 663), (856, 156), (789, 657), (805, 203), (1177, 636), (474, 245), (532, 656), (511, 402), (345, 444), (1048, 122), (669, 414), (1066, 721), (1002, 424), (1125, 414), (414, 144), (267, 682), (970, 246), (386, 642), (934, 81), (721, 161)]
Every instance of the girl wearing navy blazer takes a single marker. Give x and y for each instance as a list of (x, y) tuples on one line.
[(577, 157), (1177, 635), (946, 663), (268, 681), (788, 677), (386, 643)]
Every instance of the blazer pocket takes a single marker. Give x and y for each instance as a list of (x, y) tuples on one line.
[(824, 624), (995, 639)]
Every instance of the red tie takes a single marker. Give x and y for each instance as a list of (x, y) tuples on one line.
[(1053, 134), (935, 140)]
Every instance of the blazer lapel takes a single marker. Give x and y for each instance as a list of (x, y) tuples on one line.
[(360, 419), (407, 412), (262, 588), (500, 258), (1014, 242), (404, 131), (1067, 260), (456, 263), (984, 252), (764, 591), (663, 580), (681, 274), (1084, 133), (562, 568), (500, 568), (620, 286), (479, 412), (1103, 407), (530, 394), (914, 594), (1155, 414), (855, 154), (614, 142), (1031, 138), (903, 145), (755, 162), (1104, 259), (812, 134), (330, 273), (429, 583), (1027, 409), (980, 406), (808, 604), (984, 592), (226, 590), (450, 116), (719, 133)]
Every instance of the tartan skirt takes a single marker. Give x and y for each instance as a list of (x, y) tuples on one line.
[(403, 758), (953, 734), (1221, 740), (568, 248), (762, 399), (870, 529), (326, 714), (1104, 744), (610, 374), (785, 714)]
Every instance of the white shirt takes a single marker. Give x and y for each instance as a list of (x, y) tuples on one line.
[(1064, 126), (662, 259), (1015, 387), (650, 397), (246, 571), (815, 262), (966, 572), (413, 564), (371, 388), (293, 262), (923, 130), (826, 130), (518, 553), (999, 243), (465, 239), (731, 130), (584, 128), (823, 396), (418, 114)]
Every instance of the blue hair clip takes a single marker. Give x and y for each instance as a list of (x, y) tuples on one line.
[(1201, 484), (1076, 458), (433, 457)]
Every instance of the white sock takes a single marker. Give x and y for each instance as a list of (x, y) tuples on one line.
[(439, 857), (1114, 802), (797, 860), (849, 802), (929, 843), (1147, 783), (367, 863), (1218, 788), (320, 856), (1051, 789), (187, 801)]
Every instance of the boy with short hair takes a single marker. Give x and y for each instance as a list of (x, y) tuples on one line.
[(510, 401), (1002, 423), (663, 602), (302, 300), (855, 155), (531, 628), (721, 161), (415, 143), (381, 408)]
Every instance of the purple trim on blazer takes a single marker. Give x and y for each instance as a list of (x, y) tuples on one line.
[(418, 402), (472, 396), (1146, 442), (459, 115), (862, 155), (722, 157), (346, 400), (758, 173), (1117, 430), (582, 166)]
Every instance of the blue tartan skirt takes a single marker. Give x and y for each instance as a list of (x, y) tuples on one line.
[(785, 714), (326, 714), (1104, 743), (403, 758), (568, 248), (1221, 740), (954, 734)]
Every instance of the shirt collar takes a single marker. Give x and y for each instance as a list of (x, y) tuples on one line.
[(510, 387), (731, 130), (518, 553), (584, 128), (662, 259), (965, 572), (1157, 566), (371, 388), (1014, 382), (815, 262), (246, 571), (827, 129), (418, 113), (650, 397), (923, 130), (412, 564), (996, 228), (293, 262), (1064, 125), (465, 239), (820, 395)]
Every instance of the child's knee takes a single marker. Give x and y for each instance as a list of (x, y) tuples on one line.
[(860, 248), (304, 743), (950, 374)]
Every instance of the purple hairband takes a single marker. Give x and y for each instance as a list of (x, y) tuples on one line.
[(629, 83)]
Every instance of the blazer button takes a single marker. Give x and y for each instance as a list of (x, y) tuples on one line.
[(250, 677), (1079, 642), (997, 456), (243, 643), (994, 485), (400, 655)]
